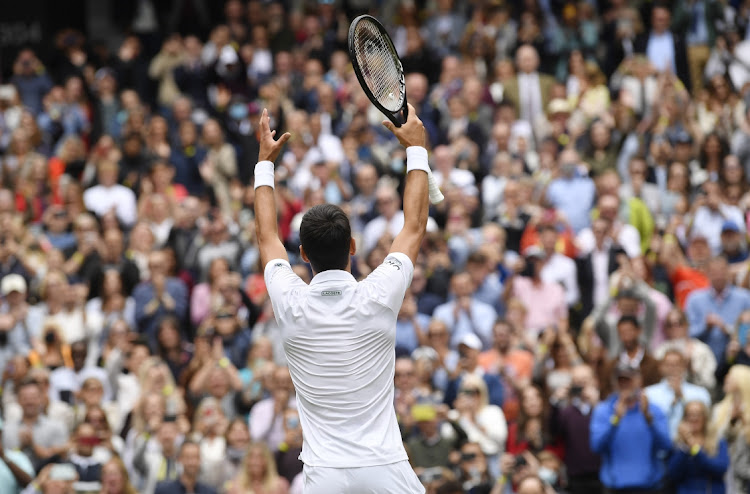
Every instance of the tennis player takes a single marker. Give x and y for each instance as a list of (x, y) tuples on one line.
[(339, 334)]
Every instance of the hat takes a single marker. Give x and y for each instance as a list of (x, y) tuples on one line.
[(730, 226), (534, 252), (228, 56), (471, 340), (423, 412), (13, 283), (626, 369), (682, 137), (558, 105)]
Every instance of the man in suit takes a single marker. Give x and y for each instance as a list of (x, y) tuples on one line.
[(529, 91), (664, 49), (190, 459), (595, 267)]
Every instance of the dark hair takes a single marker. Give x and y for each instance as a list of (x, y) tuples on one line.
[(629, 319), (325, 235)]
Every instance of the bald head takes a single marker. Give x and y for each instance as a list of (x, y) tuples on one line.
[(527, 59)]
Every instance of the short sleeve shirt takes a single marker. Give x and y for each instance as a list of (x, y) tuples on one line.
[(339, 338)]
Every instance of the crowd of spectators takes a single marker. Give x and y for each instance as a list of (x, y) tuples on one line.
[(578, 318)]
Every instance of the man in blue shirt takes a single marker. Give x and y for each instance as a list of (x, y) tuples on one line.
[(629, 433), (672, 392), (713, 311), (187, 483), (572, 192)]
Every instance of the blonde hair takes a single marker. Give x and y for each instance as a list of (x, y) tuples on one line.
[(722, 413), (711, 438), (474, 381), (271, 477)]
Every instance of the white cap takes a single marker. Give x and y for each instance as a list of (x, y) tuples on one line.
[(13, 283), (228, 56), (471, 340)]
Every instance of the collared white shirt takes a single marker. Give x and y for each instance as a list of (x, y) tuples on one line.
[(600, 270), (530, 96), (660, 52), (560, 268), (101, 200), (339, 336)]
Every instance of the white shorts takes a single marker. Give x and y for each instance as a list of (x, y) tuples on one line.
[(396, 478)]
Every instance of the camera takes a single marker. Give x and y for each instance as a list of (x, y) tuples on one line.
[(576, 391)]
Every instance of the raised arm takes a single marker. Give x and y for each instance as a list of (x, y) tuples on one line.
[(266, 226), (411, 135)]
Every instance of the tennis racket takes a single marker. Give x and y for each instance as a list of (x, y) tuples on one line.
[(381, 76)]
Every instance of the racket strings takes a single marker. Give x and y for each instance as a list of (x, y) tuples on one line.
[(378, 65)]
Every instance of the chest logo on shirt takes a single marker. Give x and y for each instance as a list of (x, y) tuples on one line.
[(331, 293)]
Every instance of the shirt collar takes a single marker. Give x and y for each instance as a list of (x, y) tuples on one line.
[(332, 275)]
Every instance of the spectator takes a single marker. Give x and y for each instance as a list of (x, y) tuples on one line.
[(571, 191), (730, 421), (699, 459), (108, 195), (700, 359), (115, 479), (259, 468), (709, 320), (190, 459), (672, 393), (530, 91), (17, 471), (629, 433), (465, 315), (664, 49)]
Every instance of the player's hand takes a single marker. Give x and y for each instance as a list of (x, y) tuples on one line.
[(412, 133), (269, 147)]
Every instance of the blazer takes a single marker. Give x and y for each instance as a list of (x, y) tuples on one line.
[(586, 277), (680, 55), (511, 92)]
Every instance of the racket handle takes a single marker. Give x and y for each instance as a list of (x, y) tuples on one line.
[(435, 195)]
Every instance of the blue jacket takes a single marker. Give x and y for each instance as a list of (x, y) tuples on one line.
[(630, 449), (700, 473)]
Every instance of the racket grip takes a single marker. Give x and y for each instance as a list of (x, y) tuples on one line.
[(435, 195)]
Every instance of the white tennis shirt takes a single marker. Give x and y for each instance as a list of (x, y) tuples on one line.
[(339, 337)]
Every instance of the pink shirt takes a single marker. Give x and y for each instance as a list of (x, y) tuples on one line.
[(544, 302)]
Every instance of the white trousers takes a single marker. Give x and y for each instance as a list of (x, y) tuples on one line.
[(396, 478)]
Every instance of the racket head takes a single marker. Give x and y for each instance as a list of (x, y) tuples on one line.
[(378, 67)]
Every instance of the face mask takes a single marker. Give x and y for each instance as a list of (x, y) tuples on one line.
[(568, 169), (238, 111), (547, 475)]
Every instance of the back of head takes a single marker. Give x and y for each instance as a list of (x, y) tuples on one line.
[(326, 235)]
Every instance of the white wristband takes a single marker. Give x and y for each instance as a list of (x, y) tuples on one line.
[(264, 174), (416, 159)]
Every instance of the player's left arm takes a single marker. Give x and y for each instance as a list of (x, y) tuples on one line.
[(266, 223)]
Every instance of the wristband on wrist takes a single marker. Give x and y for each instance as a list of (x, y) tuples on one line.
[(224, 362), (264, 174), (416, 159), (614, 420), (695, 450)]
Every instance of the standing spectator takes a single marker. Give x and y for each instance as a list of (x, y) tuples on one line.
[(42, 439), (31, 79), (664, 49), (571, 420), (595, 268), (712, 311), (187, 156), (558, 268), (633, 352), (161, 295), (530, 91), (16, 471), (629, 433), (571, 191), (699, 459), (108, 195), (220, 165), (701, 362), (465, 315), (259, 473), (672, 393), (190, 459)]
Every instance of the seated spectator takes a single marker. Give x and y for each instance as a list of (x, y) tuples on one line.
[(558, 268), (287, 456), (731, 421), (82, 456), (438, 338), (673, 392), (17, 471), (65, 382), (572, 192), (712, 214), (625, 234), (632, 301), (410, 326), (530, 432), (113, 303), (267, 416), (431, 445), (158, 463), (115, 478), (108, 195), (629, 433), (206, 296), (473, 471), (699, 458)]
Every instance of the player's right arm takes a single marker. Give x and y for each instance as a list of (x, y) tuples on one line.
[(416, 193), (266, 226)]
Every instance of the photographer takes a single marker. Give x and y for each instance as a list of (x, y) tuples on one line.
[(571, 419)]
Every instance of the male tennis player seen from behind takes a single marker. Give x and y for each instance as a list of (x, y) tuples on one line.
[(339, 334)]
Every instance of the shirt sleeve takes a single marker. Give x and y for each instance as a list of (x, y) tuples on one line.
[(281, 281), (389, 282)]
